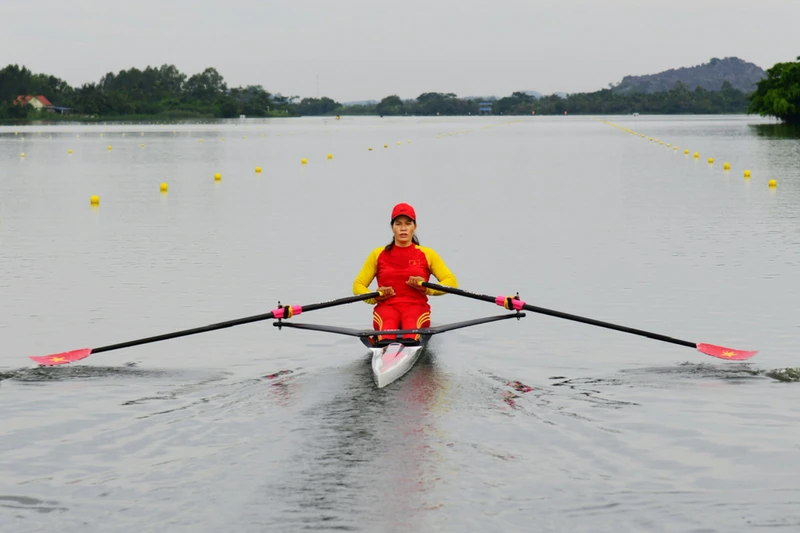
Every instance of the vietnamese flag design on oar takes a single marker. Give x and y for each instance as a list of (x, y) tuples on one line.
[(514, 303), (286, 311)]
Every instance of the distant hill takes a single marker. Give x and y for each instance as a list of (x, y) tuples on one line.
[(537, 94), (359, 102), (710, 76)]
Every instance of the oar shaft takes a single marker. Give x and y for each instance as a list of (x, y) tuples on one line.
[(559, 314), (277, 313), (185, 332)]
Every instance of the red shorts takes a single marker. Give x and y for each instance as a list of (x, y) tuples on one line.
[(404, 316)]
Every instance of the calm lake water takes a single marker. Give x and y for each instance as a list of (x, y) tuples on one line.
[(252, 429)]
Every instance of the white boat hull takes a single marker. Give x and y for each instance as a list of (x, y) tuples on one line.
[(391, 362)]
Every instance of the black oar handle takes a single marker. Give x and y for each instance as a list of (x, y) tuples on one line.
[(500, 300), (281, 312)]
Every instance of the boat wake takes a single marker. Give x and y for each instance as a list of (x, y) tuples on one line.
[(64, 373), (31, 504), (217, 393)]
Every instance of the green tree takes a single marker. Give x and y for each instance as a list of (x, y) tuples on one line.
[(317, 106), (518, 103), (778, 95), (253, 100), (206, 86), (391, 105)]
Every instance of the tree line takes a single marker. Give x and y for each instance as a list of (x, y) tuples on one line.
[(778, 95), (165, 92)]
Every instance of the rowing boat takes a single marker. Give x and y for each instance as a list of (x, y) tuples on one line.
[(393, 361), (393, 358)]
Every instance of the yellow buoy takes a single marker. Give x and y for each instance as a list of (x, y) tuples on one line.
[(387, 146), (200, 140), (668, 145), (69, 151), (726, 166), (109, 147), (304, 161), (710, 160), (370, 148), (409, 142), (398, 142), (330, 156), (686, 151), (675, 148), (223, 138), (746, 173), (22, 154), (163, 187), (696, 155), (773, 184), (258, 170), (217, 176), (94, 200), (142, 146)]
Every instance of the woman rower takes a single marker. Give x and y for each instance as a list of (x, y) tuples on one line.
[(400, 266)]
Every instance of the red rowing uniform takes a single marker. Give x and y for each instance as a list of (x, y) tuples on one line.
[(408, 308)]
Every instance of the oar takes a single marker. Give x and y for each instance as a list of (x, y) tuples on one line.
[(511, 302), (285, 311)]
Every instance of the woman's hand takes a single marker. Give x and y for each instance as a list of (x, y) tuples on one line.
[(415, 281), (386, 292)]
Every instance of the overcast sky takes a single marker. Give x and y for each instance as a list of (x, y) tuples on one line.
[(370, 49)]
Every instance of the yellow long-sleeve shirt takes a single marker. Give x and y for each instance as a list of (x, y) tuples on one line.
[(395, 266)]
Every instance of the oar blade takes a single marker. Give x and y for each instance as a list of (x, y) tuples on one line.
[(725, 353), (62, 358)]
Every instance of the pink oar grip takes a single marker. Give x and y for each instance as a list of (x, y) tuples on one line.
[(516, 304), (281, 311)]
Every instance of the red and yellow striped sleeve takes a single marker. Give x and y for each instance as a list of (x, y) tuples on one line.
[(439, 270), (367, 274)]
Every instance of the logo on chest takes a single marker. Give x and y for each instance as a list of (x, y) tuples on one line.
[(413, 262)]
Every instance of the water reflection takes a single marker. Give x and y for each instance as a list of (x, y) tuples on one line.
[(362, 441), (776, 131)]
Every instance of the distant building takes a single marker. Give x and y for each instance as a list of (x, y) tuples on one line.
[(40, 103), (484, 108)]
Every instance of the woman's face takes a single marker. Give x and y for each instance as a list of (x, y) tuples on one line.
[(403, 228)]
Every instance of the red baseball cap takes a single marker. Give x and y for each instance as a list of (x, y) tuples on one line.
[(404, 209)]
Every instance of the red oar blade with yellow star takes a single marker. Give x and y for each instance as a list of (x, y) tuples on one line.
[(728, 354), (63, 358)]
